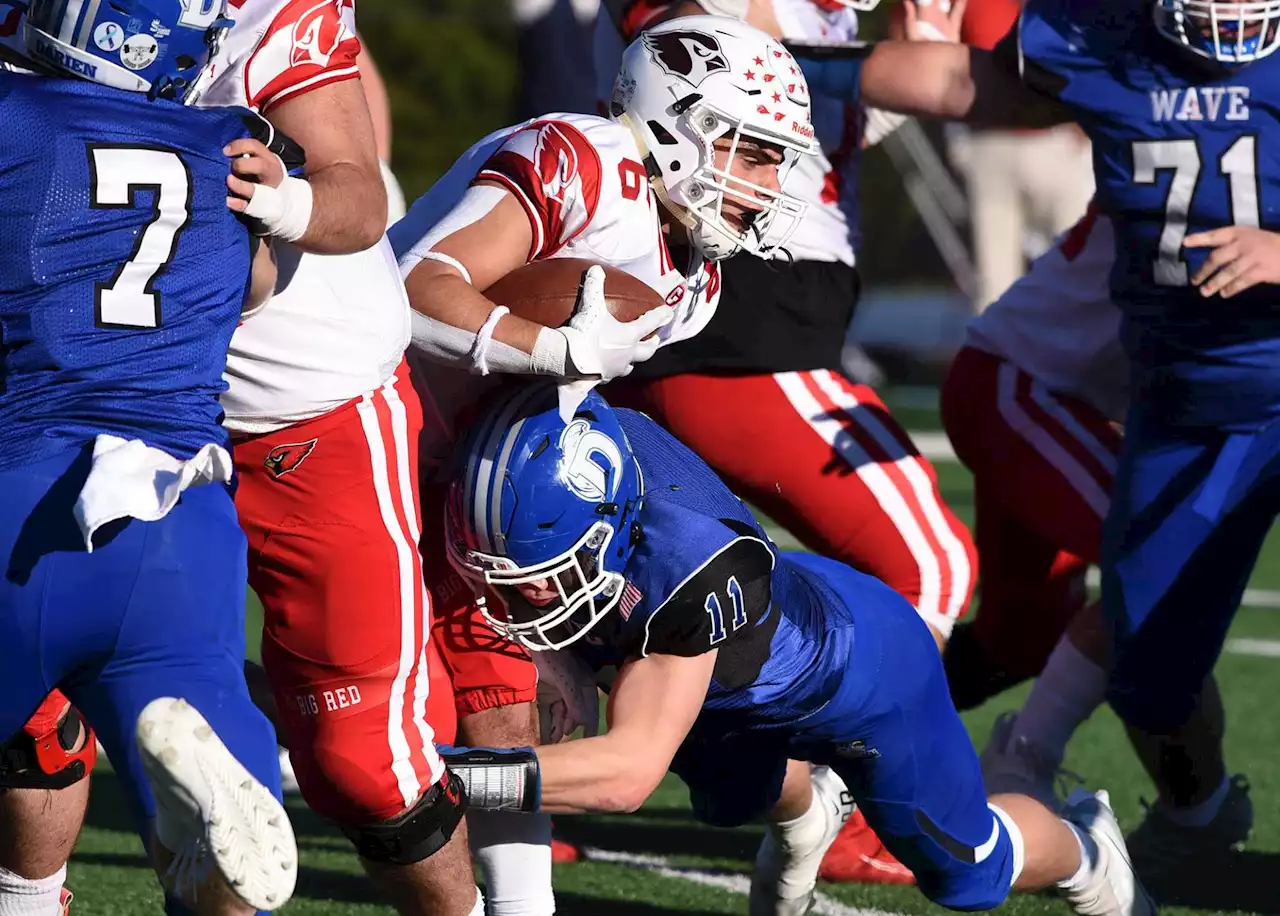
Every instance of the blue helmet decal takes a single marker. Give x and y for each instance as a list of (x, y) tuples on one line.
[(542, 512), (160, 47)]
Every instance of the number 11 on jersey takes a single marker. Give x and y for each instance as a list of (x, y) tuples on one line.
[(717, 615)]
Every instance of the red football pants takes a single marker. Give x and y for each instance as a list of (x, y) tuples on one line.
[(1043, 465), (824, 458), (472, 667), (330, 509)]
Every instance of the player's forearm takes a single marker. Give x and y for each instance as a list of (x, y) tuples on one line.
[(604, 774), (449, 318), (940, 84), (930, 79), (349, 209)]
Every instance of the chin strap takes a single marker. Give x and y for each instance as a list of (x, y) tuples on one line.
[(656, 181)]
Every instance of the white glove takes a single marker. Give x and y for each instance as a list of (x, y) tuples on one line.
[(602, 347), (567, 696)]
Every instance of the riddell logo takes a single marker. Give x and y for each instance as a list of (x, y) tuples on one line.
[(285, 458), (317, 35), (804, 130)]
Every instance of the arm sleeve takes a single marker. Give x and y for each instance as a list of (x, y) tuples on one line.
[(1010, 54), (555, 173), (723, 600)]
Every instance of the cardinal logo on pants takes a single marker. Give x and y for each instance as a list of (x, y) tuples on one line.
[(285, 458)]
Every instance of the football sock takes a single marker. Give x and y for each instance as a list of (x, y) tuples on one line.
[(802, 841), (1067, 692), (514, 853), (21, 896), (478, 909), (1088, 856), (1194, 816)]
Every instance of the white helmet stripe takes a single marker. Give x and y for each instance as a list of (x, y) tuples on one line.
[(70, 19), (491, 466)]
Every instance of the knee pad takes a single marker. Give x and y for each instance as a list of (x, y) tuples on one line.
[(40, 756), (419, 832)]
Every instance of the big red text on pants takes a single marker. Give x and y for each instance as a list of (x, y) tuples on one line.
[(330, 509)]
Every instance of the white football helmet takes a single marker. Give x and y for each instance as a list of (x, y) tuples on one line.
[(690, 81)]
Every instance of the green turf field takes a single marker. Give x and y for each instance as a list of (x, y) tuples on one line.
[(660, 861)]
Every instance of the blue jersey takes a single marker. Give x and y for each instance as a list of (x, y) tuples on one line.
[(1180, 146), (124, 272), (705, 576)]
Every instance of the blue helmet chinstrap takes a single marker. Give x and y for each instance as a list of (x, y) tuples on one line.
[(160, 47), (543, 512)]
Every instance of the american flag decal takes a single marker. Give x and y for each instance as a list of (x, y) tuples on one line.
[(630, 598)]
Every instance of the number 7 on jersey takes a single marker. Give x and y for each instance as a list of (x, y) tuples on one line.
[(116, 175)]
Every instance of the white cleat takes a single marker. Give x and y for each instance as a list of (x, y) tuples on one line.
[(1107, 885), (210, 812), (786, 871)]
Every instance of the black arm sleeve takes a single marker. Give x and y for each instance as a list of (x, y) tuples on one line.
[(1008, 56), (726, 605)]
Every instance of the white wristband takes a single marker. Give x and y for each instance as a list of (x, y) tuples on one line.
[(484, 336), (284, 211), (550, 353)]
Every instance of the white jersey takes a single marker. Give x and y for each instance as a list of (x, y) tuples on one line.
[(337, 325), (581, 184), (827, 182), (1058, 324)]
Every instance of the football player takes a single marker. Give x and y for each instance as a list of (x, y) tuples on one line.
[(326, 428), (1032, 404), (696, 153), (766, 403), (125, 566), (607, 539), (1176, 132)]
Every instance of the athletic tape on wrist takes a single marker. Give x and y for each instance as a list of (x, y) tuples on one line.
[(484, 337), (284, 211), (550, 353)]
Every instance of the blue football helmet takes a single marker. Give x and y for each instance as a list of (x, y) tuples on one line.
[(1229, 33), (538, 504), (160, 47)]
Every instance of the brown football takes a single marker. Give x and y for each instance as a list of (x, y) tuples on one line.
[(546, 291)]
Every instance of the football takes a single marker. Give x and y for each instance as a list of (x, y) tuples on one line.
[(546, 291)]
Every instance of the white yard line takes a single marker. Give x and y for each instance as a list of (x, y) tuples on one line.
[(933, 445), (1262, 648), (1265, 599), (736, 883)]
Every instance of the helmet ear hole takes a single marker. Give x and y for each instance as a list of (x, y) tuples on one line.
[(662, 135)]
